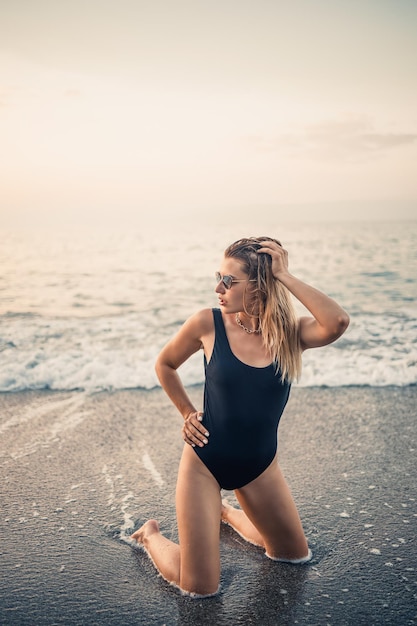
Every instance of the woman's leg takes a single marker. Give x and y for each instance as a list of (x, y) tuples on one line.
[(194, 565), (270, 517), (198, 513), (239, 521), (165, 554)]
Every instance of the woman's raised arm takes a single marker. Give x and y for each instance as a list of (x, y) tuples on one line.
[(329, 319)]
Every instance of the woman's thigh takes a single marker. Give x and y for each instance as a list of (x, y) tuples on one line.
[(268, 503), (198, 513)]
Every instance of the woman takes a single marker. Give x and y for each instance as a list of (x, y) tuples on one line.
[(252, 351)]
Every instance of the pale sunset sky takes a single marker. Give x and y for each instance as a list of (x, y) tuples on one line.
[(123, 109)]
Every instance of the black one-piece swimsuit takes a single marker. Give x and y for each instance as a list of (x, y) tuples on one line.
[(242, 409)]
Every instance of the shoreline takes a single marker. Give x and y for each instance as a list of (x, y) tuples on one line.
[(199, 385), (80, 471)]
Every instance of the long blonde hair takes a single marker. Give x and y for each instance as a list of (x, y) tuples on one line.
[(267, 299)]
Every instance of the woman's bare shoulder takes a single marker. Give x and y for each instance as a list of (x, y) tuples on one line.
[(203, 320)]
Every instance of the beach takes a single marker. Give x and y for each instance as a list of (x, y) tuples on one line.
[(139, 142), (80, 471)]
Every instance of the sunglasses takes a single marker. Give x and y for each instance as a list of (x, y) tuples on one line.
[(228, 280)]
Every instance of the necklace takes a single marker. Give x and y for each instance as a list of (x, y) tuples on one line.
[(248, 330)]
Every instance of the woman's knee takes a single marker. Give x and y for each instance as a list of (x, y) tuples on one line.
[(199, 584), (269, 504)]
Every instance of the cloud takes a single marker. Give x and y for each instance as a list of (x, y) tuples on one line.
[(347, 140), (379, 141), (72, 93)]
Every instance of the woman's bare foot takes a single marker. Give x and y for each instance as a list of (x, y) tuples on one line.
[(226, 508), (149, 528), (237, 519)]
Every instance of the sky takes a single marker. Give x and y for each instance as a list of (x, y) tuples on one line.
[(131, 110)]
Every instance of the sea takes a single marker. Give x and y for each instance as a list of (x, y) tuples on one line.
[(90, 308), (90, 444)]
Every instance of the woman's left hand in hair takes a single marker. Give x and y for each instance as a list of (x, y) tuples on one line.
[(329, 320), (279, 257)]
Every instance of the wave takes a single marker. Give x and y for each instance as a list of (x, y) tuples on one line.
[(111, 353)]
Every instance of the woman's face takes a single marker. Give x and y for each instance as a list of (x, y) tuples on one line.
[(231, 300)]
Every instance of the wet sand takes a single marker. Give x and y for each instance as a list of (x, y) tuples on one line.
[(79, 473)]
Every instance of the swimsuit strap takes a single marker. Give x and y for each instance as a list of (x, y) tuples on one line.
[(220, 332)]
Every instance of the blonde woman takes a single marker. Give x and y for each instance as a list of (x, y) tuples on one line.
[(252, 352)]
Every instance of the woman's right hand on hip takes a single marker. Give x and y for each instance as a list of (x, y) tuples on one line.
[(193, 431)]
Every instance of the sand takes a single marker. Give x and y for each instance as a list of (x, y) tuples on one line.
[(80, 472)]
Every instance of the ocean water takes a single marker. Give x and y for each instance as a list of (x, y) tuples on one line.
[(90, 309)]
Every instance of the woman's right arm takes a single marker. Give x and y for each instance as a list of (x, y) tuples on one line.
[(186, 342)]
